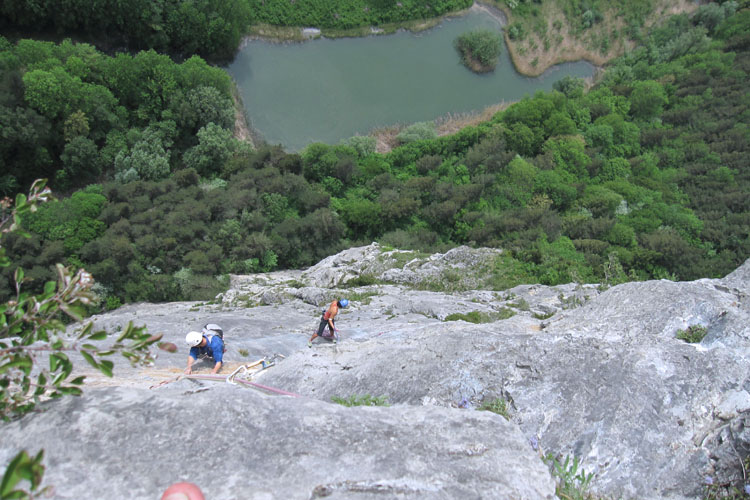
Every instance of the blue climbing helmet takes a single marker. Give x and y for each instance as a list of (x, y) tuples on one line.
[(343, 303)]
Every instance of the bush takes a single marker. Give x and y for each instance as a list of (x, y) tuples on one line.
[(417, 132), (364, 145), (693, 334), (498, 406), (364, 400)]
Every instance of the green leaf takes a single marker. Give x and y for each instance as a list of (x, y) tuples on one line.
[(19, 275), (90, 359), (73, 310), (53, 362), (126, 333), (20, 201), (106, 367), (74, 391), (12, 474), (78, 380), (101, 335), (49, 287), (86, 330), (41, 382), (22, 363)]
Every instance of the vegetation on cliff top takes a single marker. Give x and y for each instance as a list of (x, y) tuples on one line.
[(642, 176)]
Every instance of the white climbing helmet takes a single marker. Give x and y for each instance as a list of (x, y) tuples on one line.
[(193, 338)]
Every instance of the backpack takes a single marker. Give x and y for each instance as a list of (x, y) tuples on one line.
[(211, 330)]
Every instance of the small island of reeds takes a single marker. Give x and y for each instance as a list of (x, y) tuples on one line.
[(479, 49)]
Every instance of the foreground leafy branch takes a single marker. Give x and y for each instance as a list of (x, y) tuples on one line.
[(23, 467), (34, 344)]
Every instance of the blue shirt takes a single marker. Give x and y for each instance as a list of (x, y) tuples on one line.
[(213, 347)]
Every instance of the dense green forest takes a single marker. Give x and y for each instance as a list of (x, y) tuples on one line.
[(74, 115), (345, 14), (642, 176), (211, 29)]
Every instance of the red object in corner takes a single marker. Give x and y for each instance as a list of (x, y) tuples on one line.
[(183, 491)]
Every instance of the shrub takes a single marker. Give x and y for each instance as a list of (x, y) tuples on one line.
[(693, 334), (471, 317), (498, 406), (481, 317), (364, 145), (417, 132), (362, 280), (363, 298), (571, 482), (364, 400)]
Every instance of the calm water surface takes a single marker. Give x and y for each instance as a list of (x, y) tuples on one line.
[(327, 90)]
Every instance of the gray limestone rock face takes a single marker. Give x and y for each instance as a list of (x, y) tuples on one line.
[(236, 443), (586, 372)]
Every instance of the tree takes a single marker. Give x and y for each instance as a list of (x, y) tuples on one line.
[(215, 145), (648, 99), (570, 86), (80, 159), (204, 105), (147, 160), (615, 168)]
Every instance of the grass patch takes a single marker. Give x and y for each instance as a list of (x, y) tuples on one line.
[(403, 258), (481, 317), (363, 298), (505, 313), (363, 400), (521, 305), (572, 482), (498, 405), (362, 280), (244, 352), (543, 315), (693, 334)]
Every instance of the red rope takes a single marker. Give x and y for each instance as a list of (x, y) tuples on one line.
[(246, 382)]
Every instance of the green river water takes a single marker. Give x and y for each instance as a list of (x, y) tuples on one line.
[(326, 90)]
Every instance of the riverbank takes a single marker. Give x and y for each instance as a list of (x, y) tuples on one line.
[(242, 130), (550, 39), (386, 137)]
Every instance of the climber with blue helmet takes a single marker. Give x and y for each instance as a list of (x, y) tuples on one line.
[(328, 320)]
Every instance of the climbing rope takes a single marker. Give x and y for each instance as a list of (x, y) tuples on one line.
[(235, 377), (243, 381)]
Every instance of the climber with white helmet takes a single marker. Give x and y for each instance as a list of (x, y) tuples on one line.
[(328, 320), (209, 344)]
